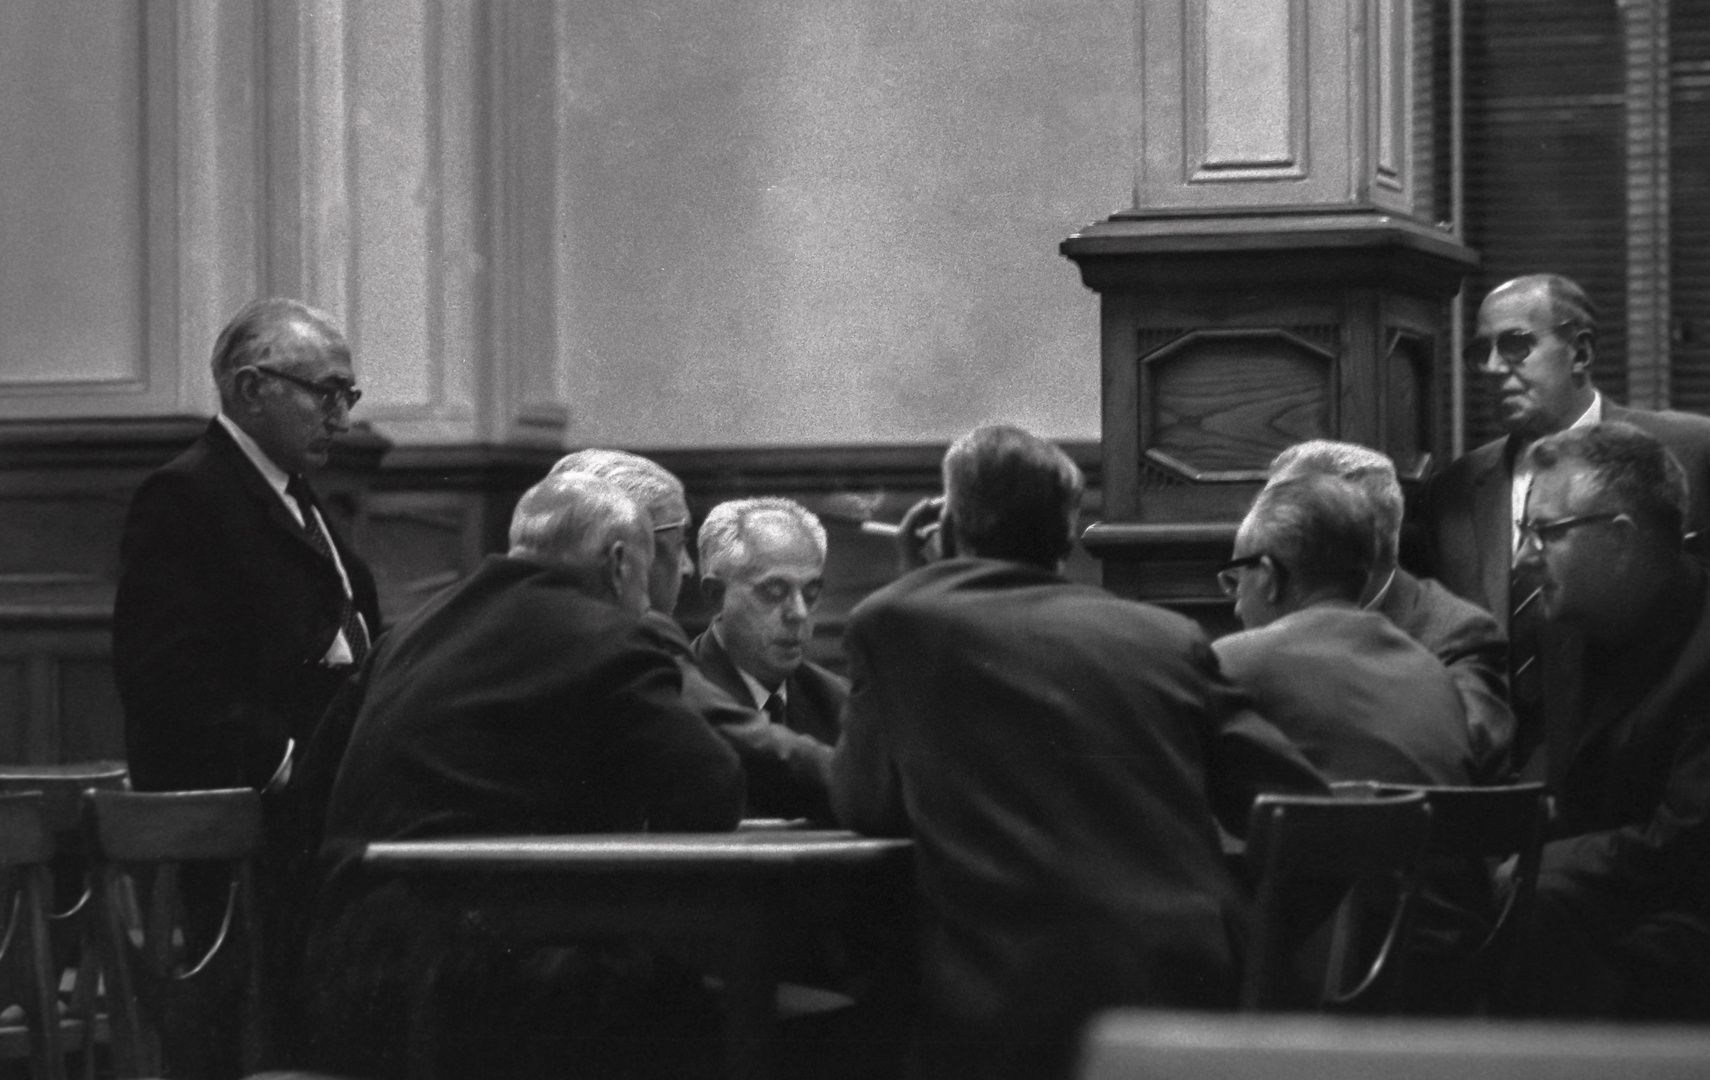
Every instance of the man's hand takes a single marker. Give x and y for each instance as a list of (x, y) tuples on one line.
[(918, 537)]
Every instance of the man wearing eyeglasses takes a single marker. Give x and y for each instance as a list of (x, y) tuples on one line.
[(1536, 340), (1623, 897), (240, 609)]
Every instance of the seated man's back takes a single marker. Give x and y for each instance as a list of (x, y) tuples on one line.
[(1361, 699), (1057, 754), (528, 698)]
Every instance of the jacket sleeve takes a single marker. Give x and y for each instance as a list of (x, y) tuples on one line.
[(1476, 655), (865, 785), (189, 720), (1246, 755), (688, 779), (1656, 862)]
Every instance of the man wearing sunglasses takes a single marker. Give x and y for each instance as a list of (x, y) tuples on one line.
[(1536, 340), (240, 609), (1623, 896)]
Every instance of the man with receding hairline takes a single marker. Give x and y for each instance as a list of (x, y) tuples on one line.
[(1458, 632), (1622, 917), (1534, 348), (762, 570), (240, 608), (527, 698)]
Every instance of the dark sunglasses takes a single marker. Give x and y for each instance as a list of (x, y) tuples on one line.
[(1512, 348), (329, 395)]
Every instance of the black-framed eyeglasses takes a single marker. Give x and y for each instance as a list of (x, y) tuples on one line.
[(1229, 574), (329, 395), (1548, 532), (1512, 347)]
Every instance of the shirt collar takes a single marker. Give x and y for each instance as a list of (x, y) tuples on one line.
[(276, 477)]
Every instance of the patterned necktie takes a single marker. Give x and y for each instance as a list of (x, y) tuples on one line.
[(355, 634), (1525, 624)]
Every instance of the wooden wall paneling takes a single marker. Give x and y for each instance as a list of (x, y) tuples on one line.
[(1645, 33), (1689, 196)]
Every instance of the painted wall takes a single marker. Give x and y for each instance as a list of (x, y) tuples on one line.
[(800, 223), (663, 223)]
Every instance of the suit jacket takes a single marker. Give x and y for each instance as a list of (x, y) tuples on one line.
[(1362, 699), (1470, 516), (223, 614), (786, 774), (1468, 641), (517, 701), (1057, 753), (1632, 777)]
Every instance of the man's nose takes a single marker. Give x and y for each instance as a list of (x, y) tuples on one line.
[(796, 608), (685, 565), (339, 418)]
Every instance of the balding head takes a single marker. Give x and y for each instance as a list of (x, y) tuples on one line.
[(660, 494), (591, 525)]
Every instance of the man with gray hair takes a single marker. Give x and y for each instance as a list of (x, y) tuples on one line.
[(1461, 634), (1361, 699), (1623, 898), (240, 609), (527, 698), (762, 570), (660, 493)]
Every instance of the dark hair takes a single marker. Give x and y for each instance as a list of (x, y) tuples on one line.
[(1628, 465), (1012, 495), (1320, 528)]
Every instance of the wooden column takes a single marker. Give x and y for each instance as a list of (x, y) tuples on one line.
[(1279, 278)]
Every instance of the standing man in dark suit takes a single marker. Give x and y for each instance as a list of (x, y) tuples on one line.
[(240, 609), (1537, 337), (1458, 632), (1623, 898), (762, 569), (1057, 753)]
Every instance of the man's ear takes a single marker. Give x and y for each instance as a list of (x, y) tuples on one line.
[(1584, 352), (1273, 582), (713, 590), (247, 389), (618, 568)]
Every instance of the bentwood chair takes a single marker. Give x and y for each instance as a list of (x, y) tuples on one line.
[(71, 919), (180, 939), (1475, 824), (29, 1027), (1307, 853)]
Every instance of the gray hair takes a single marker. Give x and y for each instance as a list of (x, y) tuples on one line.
[(1012, 495), (269, 328), (724, 534), (1627, 464), (650, 484), (574, 518), (1372, 472), (1321, 529)]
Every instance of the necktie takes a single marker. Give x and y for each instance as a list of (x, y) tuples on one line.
[(1525, 680), (355, 634), (774, 708)]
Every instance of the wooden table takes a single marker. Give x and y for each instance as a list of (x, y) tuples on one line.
[(734, 904)]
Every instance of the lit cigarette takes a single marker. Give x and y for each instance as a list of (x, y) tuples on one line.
[(885, 528)]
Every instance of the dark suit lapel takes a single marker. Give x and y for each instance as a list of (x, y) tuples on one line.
[(717, 665), (258, 489), (1493, 520)]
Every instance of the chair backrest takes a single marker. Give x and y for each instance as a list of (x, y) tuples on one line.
[(1306, 854), (1131, 1044), (26, 958), (62, 787), (1493, 823), (180, 935)]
